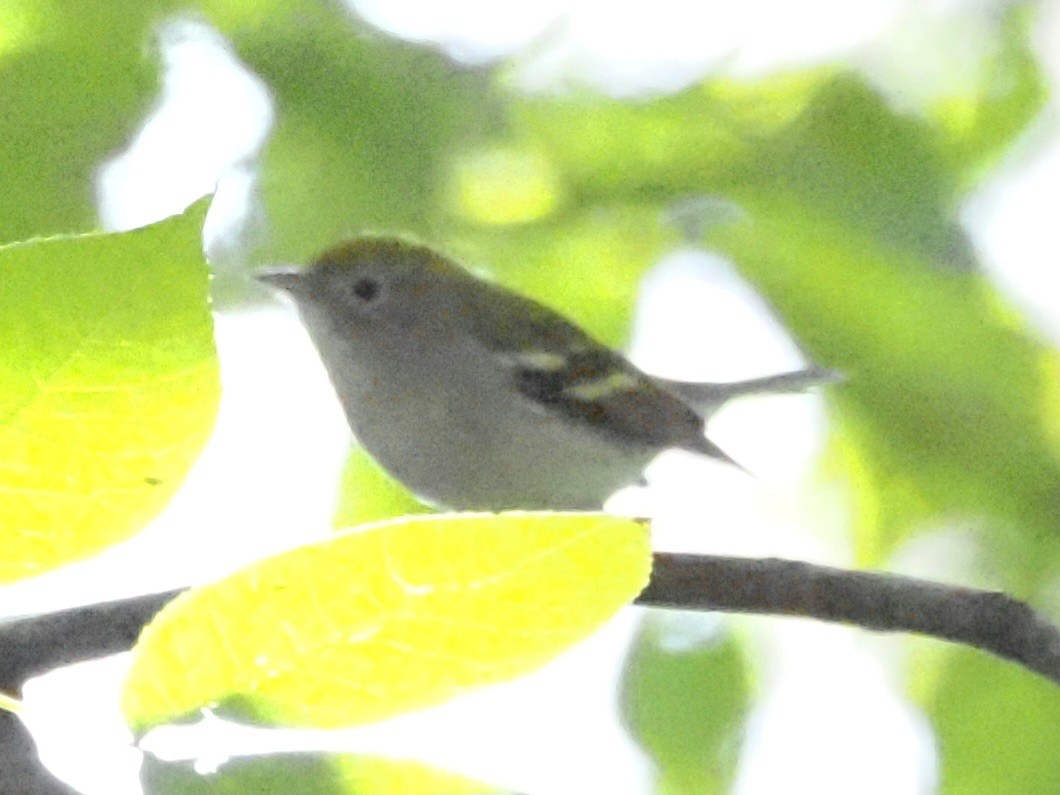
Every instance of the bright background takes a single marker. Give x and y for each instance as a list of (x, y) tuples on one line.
[(827, 709)]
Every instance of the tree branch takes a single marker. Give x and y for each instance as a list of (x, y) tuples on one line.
[(20, 768), (985, 620), (33, 645)]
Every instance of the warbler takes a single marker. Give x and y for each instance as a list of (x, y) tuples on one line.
[(477, 398)]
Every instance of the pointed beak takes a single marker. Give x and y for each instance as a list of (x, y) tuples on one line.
[(284, 277)]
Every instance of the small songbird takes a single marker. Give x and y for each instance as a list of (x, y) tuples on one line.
[(477, 398)]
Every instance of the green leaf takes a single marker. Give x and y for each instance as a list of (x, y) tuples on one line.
[(307, 774), (949, 401), (820, 137), (67, 104), (997, 726), (607, 151), (368, 494), (945, 391), (10, 704), (586, 265), (685, 701), (365, 126), (981, 127), (862, 167), (395, 617), (951, 406), (108, 386)]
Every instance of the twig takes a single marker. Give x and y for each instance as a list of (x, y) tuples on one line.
[(21, 772), (33, 645), (986, 620)]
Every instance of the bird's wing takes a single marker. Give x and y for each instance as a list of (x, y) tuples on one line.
[(561, 369)]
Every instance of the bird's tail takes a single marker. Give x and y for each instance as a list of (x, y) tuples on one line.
[(707, 398), (706, 447)]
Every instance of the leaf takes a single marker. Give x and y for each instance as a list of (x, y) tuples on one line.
[(818, 136), (308, 773), (851, 236), (613, 152), (944, 390), (368, 494), (981, 127), (365, 126), (396, 617), (108, 386), (586, 265), (997, 726), (9, 704), (68, 103), (850, 158), (685, 700)]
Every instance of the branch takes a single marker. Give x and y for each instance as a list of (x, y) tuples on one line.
[(20, 769), (985, 620), (36, 644)]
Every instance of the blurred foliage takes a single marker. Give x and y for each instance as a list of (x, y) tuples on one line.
[(68, 103), (386, 619), (335, 165), (952, 408), (820, 137), (586, 264), (108, 386), (685, 698), (943, 414), (368, 494), (997, 727), (306, 774), (978, 129), (851, 234)]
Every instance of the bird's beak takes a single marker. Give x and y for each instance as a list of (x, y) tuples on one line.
[(283, 277)]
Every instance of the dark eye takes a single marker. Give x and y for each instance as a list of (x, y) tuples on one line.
[(366, 288)]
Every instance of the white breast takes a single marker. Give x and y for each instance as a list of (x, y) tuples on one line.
[(464, 438)]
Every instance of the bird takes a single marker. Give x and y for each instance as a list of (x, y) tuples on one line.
[(478, 398)]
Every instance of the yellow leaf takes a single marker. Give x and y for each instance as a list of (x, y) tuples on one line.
[(395, 617), (108, 386), (10, 704)]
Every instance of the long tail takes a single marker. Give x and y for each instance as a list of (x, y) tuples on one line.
[(707, 398)]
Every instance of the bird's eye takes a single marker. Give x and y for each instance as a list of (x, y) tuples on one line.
[(366, 288)]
